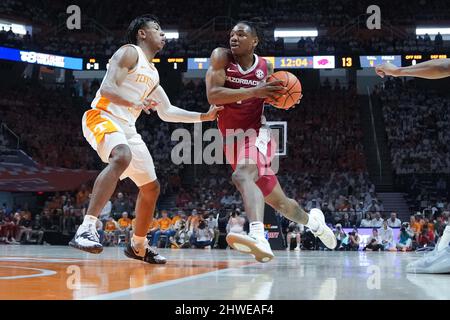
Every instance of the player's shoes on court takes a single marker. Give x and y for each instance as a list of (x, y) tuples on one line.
[(437, 261), (324, 233), (87, 239), (256, 245), (146, 254)]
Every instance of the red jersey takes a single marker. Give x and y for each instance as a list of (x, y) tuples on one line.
[(243, 114)]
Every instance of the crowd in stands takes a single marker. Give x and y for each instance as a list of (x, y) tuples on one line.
[(416, 123), (329, 16), (195, 14)]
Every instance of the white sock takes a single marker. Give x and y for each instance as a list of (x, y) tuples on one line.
[(312, 224), (138, 242), (257, 229), (89, 220), (445, 239)]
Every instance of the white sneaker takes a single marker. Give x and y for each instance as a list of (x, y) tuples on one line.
[(14, 241), (297, 249), (87, 239), (437, 261), (324, 233), (258, 246)]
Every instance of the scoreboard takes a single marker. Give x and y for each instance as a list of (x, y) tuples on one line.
[(415, 58), (373, 61), (303, 62), (184, 64), (102, 64)]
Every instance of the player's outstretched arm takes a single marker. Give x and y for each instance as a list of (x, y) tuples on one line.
[(123, 61), (433, 69), (167, 112), (215, 83)]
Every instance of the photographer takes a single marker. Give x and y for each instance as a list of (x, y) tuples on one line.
[(354, 240), (202, 236), (181, 238), (405, 238), (339, 234), (374, 242)]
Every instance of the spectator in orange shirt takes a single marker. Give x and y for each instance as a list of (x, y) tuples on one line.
[(165, 228), (125, 226), (154, 227), (416, 227), (176, 217), (111, 228), (192, 222)]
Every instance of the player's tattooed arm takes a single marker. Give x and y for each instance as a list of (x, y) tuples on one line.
[(215, 83), (123, 62), (433, 69)]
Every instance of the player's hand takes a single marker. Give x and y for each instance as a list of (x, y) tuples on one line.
[(386, 69), (212, 114), (146, 105), (272, 90)]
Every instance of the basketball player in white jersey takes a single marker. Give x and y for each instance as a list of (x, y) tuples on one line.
[(437, 261), (131, 85)]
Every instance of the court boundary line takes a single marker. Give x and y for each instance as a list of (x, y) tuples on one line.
[(44, 273), (150, 287)]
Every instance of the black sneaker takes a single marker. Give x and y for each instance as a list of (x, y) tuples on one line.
[(150, 256), (87, 239)]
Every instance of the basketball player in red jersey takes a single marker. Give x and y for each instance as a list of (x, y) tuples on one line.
[(236, 79), (131, 85)]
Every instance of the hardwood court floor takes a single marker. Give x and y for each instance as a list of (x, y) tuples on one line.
[(55, 273)]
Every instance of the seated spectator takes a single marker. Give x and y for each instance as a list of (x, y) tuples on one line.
[(354, 240), (202, 236), (415, 226), (404, 239), (426, 237), (367, 221), (295, 231), (394, 222), (212, 226), (154, 227), (125, 226), (377, 221), (192, 221), (25, 225), (346, 223), (165, 228), (386, 236), (111, 229), (121, 204), (9, 230), (236, 223), (340, 235), (374, 242), (181, 238)]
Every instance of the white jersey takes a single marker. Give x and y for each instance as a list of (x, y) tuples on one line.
[(138, 85)]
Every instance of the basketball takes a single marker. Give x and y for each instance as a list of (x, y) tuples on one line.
[(292, 93)]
